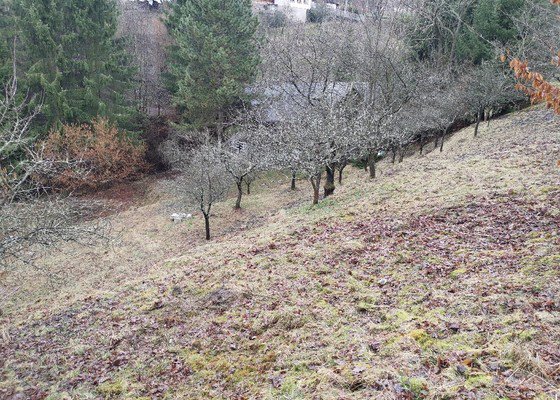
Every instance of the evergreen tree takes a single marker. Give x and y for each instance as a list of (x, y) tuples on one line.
[(492, 24), (72, 57), (214, 58), (462, 31)]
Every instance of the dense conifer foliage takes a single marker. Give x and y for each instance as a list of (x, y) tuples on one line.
[(214, 58), (72, 58)]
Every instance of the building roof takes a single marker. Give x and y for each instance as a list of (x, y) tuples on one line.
[(283, 100)]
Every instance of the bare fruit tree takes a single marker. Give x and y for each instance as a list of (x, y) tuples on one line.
[(306, 73), (488, 89), (208, 182), (390, 79), (242, 157), (405, 129), (204, 180), (311, 140)]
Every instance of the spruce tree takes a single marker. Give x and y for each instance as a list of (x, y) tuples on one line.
[(214, 58), (71, 56)]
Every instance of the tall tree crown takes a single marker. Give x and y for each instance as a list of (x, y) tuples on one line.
[(72, 56), (214, 58), (465, 30)]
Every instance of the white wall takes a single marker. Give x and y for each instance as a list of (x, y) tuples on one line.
[(296, 9)]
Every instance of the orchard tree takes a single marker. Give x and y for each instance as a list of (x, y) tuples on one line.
[(388, 92), (448, 105), (404, 129), (72, 58), (214, 58), (307, 74), (390, 80), (310, 150), (242, 157), (249, 179), (204, 181), (489, 87), (303, 65), (207, 182), (313, 139)]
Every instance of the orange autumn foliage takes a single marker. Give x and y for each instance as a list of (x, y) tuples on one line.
[(100, 154), (534, 84)]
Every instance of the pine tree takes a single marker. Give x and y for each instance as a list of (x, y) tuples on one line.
[(214, 58), (72, 57)]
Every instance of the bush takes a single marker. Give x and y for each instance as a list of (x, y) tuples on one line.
[(274, 19), (102, 154), (318, 14)]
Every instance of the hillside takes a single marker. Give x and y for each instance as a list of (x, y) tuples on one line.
[(440, 279)]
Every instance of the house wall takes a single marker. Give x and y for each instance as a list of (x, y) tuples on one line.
[(296, 9)]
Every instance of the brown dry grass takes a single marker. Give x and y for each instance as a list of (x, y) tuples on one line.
[(438, 280)]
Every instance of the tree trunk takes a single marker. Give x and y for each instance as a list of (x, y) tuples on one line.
[(371, 163), (239, 194), (401, 155), (340, 170), (454, 43), (436, 142), (316, 183), (220, 126), (329, 184), (293, 187), (207, 225), (478, 118), (394, 155), (365, 161), (442, 138)]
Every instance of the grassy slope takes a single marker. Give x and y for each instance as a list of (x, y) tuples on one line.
[(441, 278)]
